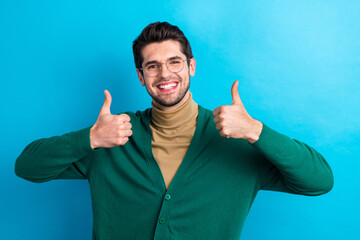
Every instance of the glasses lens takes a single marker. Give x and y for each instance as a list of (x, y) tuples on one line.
[(152, 69), (175, 65)]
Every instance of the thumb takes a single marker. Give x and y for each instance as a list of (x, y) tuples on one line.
[(235, 94), (107, 103)]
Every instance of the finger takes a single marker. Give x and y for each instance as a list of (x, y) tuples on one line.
[(130, 133), (218, 119), (126, 133), (125, 126), (218, 127), (225, 133), (123, 118), (123, 140), (235, 94), (216, 111), (107, 103)]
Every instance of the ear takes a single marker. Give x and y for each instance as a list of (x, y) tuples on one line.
[(192, 66), (141, 77)]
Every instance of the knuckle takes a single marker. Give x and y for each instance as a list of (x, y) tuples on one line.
[(222, 133), (225, 132), (120, 141), (119, 120), (124, 140), (119, 133), (222, 116), (125, 126), (216, 111), (125, 117)]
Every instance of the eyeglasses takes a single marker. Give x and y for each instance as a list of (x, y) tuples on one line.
[(174, 65)]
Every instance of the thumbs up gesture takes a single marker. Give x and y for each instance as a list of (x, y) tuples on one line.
[(234, 121), (110, 130)]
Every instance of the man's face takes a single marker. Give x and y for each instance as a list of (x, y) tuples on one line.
[(168, 90)]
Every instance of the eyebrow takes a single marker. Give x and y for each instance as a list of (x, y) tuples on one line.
[(172, 58)]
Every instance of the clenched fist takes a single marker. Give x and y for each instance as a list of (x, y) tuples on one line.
[(110, 130), (234, 121)]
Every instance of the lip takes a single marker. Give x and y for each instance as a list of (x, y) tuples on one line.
[(165, 90)]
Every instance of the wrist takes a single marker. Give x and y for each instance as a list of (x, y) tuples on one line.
[(255, 132), (92, 138)]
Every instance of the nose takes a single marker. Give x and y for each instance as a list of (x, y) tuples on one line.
[(163, 71)]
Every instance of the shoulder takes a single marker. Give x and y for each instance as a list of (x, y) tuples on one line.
[(205, 113)]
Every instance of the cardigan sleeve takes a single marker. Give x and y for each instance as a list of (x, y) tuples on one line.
[(64, 157), (292, 166)]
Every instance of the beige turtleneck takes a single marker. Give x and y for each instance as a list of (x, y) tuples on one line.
[(172, 132)]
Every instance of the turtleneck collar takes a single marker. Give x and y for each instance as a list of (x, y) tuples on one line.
[(175, 118)]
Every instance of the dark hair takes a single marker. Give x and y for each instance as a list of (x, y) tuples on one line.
[(158, 32)]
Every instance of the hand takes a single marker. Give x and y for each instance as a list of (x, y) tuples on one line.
[(234, 121), (110, 130)]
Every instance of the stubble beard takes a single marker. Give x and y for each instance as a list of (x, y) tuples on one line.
[(170, 103)]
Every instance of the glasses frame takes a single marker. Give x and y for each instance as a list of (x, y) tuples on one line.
[(160, 68)]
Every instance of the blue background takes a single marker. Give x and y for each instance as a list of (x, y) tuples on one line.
[(298, 63)]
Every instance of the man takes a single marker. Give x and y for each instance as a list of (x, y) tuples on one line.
[(176, 170)]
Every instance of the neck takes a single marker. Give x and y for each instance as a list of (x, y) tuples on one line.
[(171, 108), (176, 117)]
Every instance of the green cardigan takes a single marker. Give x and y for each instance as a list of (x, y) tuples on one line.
[(210, 195)]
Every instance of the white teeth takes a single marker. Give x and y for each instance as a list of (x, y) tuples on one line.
[(168, 86)]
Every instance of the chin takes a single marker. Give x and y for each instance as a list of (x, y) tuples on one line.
[(167, 103)]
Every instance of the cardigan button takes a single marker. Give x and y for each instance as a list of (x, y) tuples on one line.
[(167, 197), (162, 220)]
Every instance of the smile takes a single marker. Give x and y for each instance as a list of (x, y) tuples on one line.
[(168, 86)]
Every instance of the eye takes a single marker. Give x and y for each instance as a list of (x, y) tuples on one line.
[(175, 62), (152, 66)]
